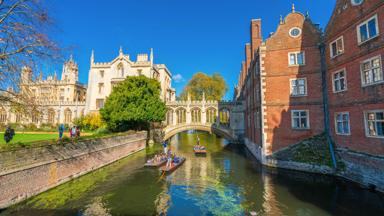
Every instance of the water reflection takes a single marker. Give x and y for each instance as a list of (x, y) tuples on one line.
[(227, 181)]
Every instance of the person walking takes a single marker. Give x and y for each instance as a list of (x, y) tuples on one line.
[(61, 131), (8, 134)]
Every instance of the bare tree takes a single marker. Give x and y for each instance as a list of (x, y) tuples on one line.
[(24, 42)]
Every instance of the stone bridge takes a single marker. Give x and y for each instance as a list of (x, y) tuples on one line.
[(223, 118)]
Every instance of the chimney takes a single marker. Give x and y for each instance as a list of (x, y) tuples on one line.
[(256, 38), (248, 56)]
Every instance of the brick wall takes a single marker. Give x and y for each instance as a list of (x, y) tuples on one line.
[(356, 99), (27, 172)]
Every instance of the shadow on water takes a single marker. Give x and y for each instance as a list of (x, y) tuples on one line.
[(227, 181)]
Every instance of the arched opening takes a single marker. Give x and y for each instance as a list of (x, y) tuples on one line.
[(224, 117), (67, 116), (51, 116), (196, 115), (181, 116), (211, 115), (3, 115), (169, 117), (120, 70)]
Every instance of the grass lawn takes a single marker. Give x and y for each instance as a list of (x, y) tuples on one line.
[(29, 137)]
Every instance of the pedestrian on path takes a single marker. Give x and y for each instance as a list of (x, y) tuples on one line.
[(61, 131), (8, 134)]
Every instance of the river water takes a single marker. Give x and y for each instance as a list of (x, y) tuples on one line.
[(228, 181)]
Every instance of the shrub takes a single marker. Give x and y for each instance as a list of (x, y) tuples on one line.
[(91, 121), (31, 127), (101, 131)]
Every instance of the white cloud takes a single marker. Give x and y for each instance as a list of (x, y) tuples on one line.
[(178, 78)]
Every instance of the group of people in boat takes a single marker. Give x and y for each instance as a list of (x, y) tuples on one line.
[(158, 158), (198, 146)]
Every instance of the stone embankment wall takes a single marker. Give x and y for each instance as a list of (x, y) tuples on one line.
[(367, 170), (30, 171)]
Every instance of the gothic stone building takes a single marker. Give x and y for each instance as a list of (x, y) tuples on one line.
[(103, 76), (63, 100), (58, 100)]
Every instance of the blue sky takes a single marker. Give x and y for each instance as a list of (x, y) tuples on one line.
[(187, 36)]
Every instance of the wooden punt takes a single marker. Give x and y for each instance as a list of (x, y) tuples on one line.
[(173, 167), (200, 151), (158, 164)]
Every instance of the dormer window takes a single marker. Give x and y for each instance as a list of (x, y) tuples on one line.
[(356, 2)]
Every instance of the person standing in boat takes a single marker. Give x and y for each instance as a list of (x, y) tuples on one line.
[(198, 140), (169, 159), (165, 147)]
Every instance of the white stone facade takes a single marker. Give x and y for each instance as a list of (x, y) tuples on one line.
[(103, 76), (63, 100)]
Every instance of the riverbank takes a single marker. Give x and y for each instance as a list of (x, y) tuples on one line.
[(25, 172), (363, 169)]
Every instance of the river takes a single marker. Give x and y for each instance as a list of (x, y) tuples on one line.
[(228, 181)]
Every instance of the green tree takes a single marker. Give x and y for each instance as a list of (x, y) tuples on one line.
[(213, 86), (134, 104)]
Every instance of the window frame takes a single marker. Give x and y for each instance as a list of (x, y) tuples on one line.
[(308, 122), (332, 55), (289, 58), (359, 41), (100, 99), (361, 71), (366, 129), (345, 81), (349, 123), (305, 83)]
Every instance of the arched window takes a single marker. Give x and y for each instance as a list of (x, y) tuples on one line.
[(181, 116), (67, 116), (3, 115), (169, 117), (211, 115), (196, 115), (51, 116), (224, 117), (120, 70)]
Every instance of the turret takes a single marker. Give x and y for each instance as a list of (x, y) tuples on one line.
[(70, 71), (26, 74)]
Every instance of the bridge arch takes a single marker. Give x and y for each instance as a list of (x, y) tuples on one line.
[(170, 131)]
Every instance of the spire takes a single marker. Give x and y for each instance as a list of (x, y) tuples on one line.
[(71, 58), (54, 75), (293, 8), (203, 96), (189, 97), (121, 51), (281, 19), (307, 14), (41, 76), (92, 57), (151, 56)]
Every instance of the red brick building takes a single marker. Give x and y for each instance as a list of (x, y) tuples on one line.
[(282, 84), (355, 46), (300, 82)]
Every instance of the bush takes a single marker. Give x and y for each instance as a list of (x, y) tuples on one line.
[(101, 131), (92, 121), (31, 127)]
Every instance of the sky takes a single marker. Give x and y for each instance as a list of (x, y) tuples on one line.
[(188, 36)]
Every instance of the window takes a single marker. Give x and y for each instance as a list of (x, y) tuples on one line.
[(99, 103), (102, 74), (139, 72), (367, 30), (374, 123), (342, 123), (296, 58), (300, 119), (295, 32), (337, 47), (101, 88), (356, 2), (371, 72), (299, 87), (339, 81)]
